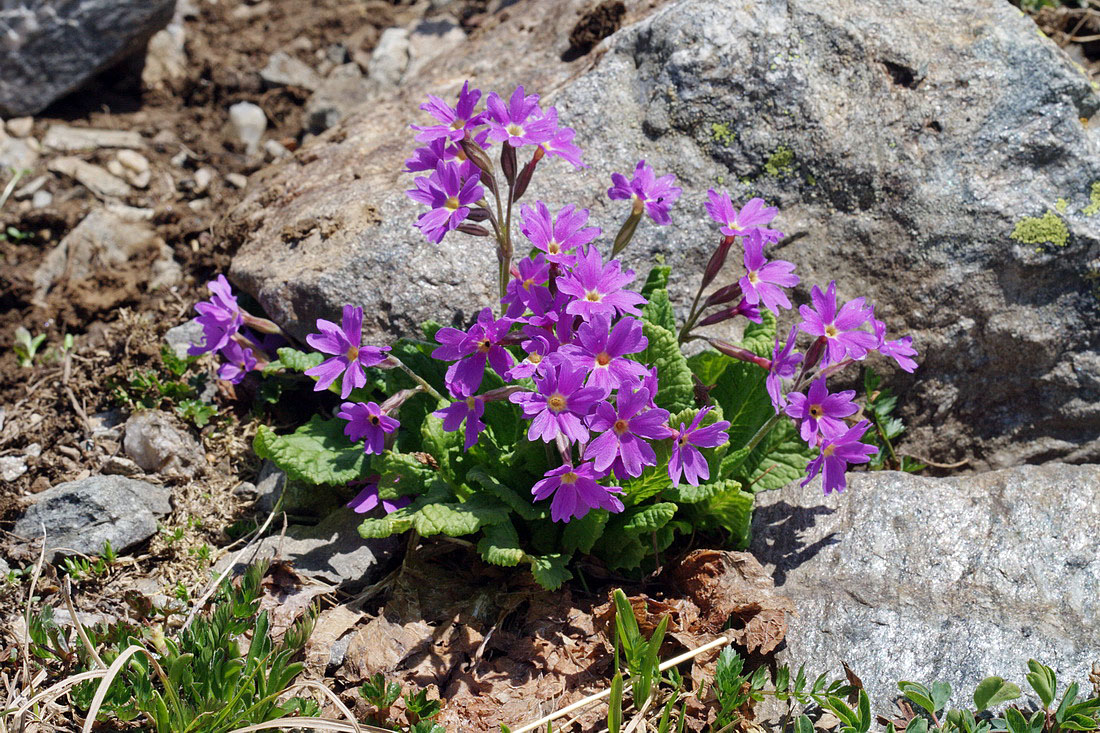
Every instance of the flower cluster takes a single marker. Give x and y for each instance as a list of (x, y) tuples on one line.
[(233, 333)]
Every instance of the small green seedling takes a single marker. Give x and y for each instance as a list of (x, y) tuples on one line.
[(26, 346)]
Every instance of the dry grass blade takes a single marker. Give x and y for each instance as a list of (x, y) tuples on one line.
[(109, 677), (336, 701), (718, 643), (66, 595), (58, 689), (311, 724)]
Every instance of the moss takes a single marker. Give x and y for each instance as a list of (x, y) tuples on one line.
[(780, 161), (721, 133), (1060, 206), (1094, 197), (1040, 230)]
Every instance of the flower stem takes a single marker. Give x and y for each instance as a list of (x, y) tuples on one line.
[(763, 431), (416, 378)]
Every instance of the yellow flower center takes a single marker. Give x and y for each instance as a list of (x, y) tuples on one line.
[(592, 296), (534, 358), (553, 247), (831, 331), (374, 420), (484, 345), (603, 359), (353, 353), (470, 403), (515, 130), (829, 449), (816, 412), (569, 478), (451, 203), (556, 402), (754, 278), (620, 427), (458, 124), (528, 283)]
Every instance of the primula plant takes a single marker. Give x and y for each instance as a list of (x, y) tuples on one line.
[(566, 419)]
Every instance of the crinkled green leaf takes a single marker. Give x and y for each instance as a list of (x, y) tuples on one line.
[(687, 494), (708, 365), (293, 360), (657, 279), (581, 534), (676, 391), (658, 310), (621, 551), (550, 571), (442, 445), (517, 502), (646, 519), (779, 459), (402, 474), (759, 338), (500, 545), (391, 524), (461, 518), (316, 453), (730, 510), (744, 400)]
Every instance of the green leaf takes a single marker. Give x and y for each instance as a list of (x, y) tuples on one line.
[(550, 571), (759, 338), (391, 524), (646, 519), (499, 545), (993, 691), (1016, 721), (458, 519), (657, 279), (581, 534), (293, 360), (1042, 680), (917, 725), (941, 693), (708, 365), (515, 501), (919, 694), (779, 459), (687, 494), (658, 310), (1067, 701), (316, 453), (731, 510), (803, 725), (402, 474), (442, 445), (676, 390)]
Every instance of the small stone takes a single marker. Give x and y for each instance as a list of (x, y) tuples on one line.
[(92, 177), (130, 213), (390, 57), (133, 160), (246, 490), (41, 199), (249, 12), (165, 58), (12, 467), (66, 139), (17, 153), (199, 204), (336, 53), (84, 515), (28, 190), (203, 179), (236, 179), (181, 337), (275, 150), (116, 169), (107, 423), (270, 484), (249, 124), (155, 442), (21, 126), (140, 180), (283, 70), (180, 159), (119, 466)]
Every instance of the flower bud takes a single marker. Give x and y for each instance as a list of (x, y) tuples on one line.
[(717, 260), (472, 229), (394, 402), (739, 353), (260, 325), (524, 178), (626, 233), (814, 353), (479, 214), (718, 316), (489, 181), (726, 294), (508, 162), (477, 154)]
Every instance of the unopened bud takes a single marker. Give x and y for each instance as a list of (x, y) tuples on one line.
[(726, 294), (626, 233), (718, 316), (524, 178), (508, 162), (477, 154), (489, 181), (472, 229), (740, 353), (261, 325), (394, 402), (479, 214), (717, 260), (814, 353)]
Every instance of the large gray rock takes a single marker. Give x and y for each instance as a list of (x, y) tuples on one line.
[(906, 139), (954, 579), (83, 515), (51, 47)]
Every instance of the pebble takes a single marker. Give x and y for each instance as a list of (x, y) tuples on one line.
[(275, 150), (92, 177), (203, 178), (249, 123), (21, 126), (29, 189), (119, 466), (390, 57), (155, 442), (12, 467), (236, 179), (66, 139), (135, 161), (180, 338), (41, 199), (283, 70)]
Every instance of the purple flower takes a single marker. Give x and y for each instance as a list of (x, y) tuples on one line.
[(538, 347), (576, 491), (559, 405), (838, 328), (470, 409), (367, 422), (449, 195), (753, 217), (368, 499), (524, 288), (239, 361), (820, 413), (598, 290), (473, 348), (520, 122), (220, 317), (784, 365), (658, 194), (600, 350), (686, 458), (558, 239), (764, 281), (351, 357), (901, 350), (625, 430), (836, 453), (561, 143), (456, 122)]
